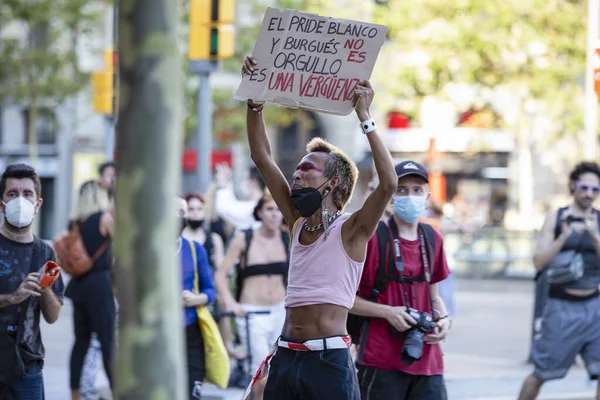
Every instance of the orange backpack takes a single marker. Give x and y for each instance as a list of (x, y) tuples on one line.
[(71, 253)]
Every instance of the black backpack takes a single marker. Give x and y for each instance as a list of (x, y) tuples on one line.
[(386, 273), (285, 237)]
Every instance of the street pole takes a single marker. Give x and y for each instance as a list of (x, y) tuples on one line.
[(591, 99), (149, 362), (110, 138), (64, 179), (204, 130), (111, 121)]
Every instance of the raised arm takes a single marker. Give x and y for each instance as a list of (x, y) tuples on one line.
[(210, 213), (547, 247), (227, 205), (234, 252), (219, 249), (362, 224), (260, 151)]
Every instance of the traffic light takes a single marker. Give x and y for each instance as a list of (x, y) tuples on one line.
[(211, 34), (103, 84)]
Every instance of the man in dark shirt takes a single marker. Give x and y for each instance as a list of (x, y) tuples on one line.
[(21, 297)]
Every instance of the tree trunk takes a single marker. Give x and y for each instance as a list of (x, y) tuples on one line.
[(149, 363)]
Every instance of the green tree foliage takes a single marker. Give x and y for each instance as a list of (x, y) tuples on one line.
[(535, 49), (229, 116), (38, 50)]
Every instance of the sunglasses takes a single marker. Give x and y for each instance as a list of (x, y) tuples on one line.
[(584, 187)]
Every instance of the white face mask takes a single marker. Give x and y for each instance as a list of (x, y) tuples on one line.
[(19, 212)]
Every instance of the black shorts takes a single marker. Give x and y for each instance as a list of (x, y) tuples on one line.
[(195, 360), (379, 384), (312, 375)]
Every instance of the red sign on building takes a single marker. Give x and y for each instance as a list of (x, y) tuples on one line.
[(189, 160)]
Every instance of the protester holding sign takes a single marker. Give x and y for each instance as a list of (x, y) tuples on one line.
[(327, 255)]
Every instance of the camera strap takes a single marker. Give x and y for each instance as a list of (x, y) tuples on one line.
[(399, 264)]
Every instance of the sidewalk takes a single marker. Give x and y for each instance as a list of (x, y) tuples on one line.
[(487, 348), (485, 352), (58, 340)]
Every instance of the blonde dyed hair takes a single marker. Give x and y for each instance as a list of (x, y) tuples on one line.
[(337, 164), (92, 198)]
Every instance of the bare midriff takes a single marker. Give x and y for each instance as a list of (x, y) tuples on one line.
[(315, 321), (263, 290)]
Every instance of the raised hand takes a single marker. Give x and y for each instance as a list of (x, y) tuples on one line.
[(362, 99)]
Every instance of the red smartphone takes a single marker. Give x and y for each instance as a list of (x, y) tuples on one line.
[(49, 273)]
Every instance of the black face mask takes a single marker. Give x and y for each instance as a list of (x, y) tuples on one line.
[(195, 223), (307, 200)]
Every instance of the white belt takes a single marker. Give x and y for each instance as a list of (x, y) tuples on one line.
[(334, 342)]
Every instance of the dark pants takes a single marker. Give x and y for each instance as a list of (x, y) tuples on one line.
[(312, 375), (379, 384), (29, 387), (93, 314), (195, 360)]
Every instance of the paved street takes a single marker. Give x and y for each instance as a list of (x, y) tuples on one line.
[(485, 354)]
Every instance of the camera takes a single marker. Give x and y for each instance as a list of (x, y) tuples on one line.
[(570, 219), (413, 342)]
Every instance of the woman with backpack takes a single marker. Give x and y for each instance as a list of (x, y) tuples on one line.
[(261, 281), (91, 291)]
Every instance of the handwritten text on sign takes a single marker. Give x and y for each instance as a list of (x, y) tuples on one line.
[(311, 62)]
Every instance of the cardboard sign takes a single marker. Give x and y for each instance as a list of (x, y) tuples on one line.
[(311, 62)]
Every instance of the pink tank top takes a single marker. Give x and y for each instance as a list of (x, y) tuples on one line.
[(322, 273)]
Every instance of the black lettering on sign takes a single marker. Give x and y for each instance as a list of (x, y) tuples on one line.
[(258, 76), (355, 30), (275, 41), (306, 25), (311, 46), (272, 23), (305, 63)]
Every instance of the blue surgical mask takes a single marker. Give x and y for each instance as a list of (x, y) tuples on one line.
[(409, 208)]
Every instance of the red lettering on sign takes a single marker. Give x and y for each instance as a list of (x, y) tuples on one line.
[(283, 82), (357, 57), (354, 44)]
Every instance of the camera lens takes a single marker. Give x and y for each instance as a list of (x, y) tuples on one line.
[(413, 346)]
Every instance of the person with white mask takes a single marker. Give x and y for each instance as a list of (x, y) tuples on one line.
[(24, 295)]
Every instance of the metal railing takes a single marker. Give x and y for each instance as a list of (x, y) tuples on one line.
[(491, 251)]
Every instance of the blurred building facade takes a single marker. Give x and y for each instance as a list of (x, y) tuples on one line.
[(70, 136), (478, 166)]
